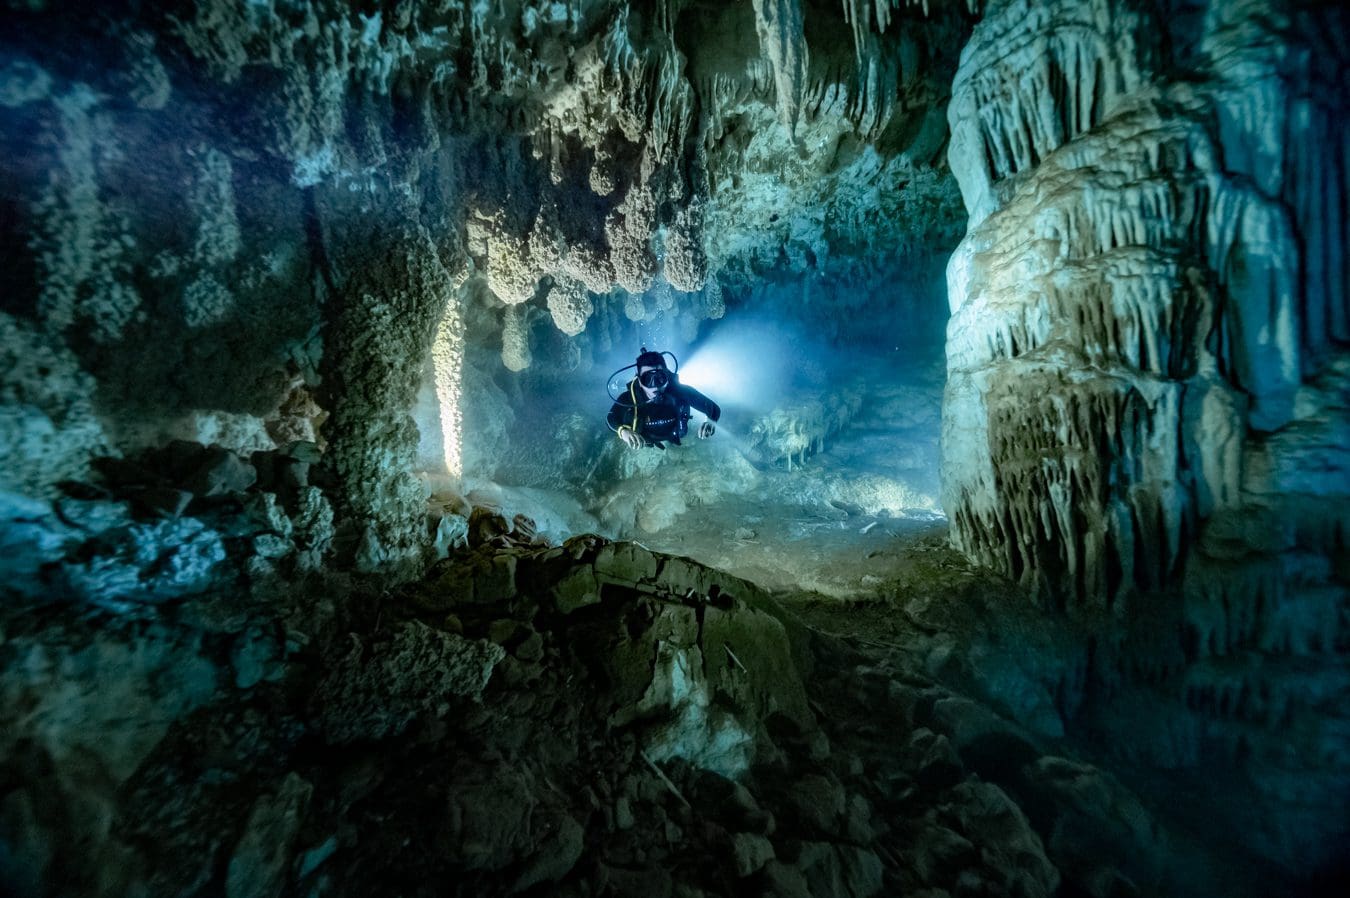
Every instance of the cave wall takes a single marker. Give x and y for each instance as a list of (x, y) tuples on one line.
[(1145, 416), (1154, 197)]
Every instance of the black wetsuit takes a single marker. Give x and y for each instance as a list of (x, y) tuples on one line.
[(664, 417)]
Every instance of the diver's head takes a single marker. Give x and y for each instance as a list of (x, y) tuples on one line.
[(652, 373)]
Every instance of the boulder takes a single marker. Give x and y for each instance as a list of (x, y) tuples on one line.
[(751, 852), (782, 881), (576, 589), (625, 563), (216, 472), (557, 853), (1008, 846), (262, 857), (932, 760), (819, 804), (375, 691), (162, 500)]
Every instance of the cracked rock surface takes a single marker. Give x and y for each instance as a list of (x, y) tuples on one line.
[(591, 718)]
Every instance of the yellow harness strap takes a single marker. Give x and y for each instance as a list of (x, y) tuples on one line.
[(632, 394)]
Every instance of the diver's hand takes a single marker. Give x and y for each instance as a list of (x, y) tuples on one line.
[(630, 438), (706, 430)]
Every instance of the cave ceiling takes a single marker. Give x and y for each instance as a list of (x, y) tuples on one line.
[(558, 148)]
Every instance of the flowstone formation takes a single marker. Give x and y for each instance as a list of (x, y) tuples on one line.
[(1145, 413), (1138, 255)]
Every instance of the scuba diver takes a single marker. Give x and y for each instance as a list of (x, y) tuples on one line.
[(654, 409)]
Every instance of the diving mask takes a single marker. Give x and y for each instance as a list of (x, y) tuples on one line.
[(654, 378)]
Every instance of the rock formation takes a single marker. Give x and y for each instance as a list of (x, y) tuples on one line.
[(699, 741), (1143, 356), (568, 157), (1170, 315), (301, 296)]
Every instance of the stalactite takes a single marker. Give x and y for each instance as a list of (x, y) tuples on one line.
[(671, 112), (570, 305), (686, 264), (629, 231), (516, 354), (1108, 239), (781, 26)]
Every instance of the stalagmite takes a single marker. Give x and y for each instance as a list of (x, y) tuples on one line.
[(382, 332), (447, 358)]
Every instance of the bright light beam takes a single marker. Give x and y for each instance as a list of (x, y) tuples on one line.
[(741, 364)]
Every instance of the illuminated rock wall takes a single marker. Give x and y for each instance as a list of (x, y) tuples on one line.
[(1145, 419), (1144, 294)]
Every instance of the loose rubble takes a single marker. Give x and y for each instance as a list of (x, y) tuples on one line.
[(591, 718)]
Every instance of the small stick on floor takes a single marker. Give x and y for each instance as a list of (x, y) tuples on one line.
[(887, 854), (868, 527), (665, 779), (736, 660)]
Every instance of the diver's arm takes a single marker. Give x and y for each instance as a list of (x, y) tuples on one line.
[(618, 415), (621, 417), (700, 402)]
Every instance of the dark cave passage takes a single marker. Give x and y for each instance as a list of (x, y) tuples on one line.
[(1014, 562)]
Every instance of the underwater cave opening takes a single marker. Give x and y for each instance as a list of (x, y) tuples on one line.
[(824, 458)]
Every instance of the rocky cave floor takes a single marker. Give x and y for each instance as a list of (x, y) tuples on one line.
[(590, 718), (829, 701), (795, 533), (731, 739), (655, 727)]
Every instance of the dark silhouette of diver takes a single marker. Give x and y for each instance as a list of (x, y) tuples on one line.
[(654, 408)]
